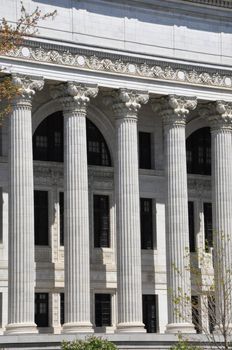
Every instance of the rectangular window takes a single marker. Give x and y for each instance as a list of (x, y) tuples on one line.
[(61, 202), (150, 313), (195, 312), (103, 310), (101, 221), (208, 222), (41, 217), (144, 150), (61, 308), (1, 214), (191, 226), (41, 309), (146, 222), (211, 313)]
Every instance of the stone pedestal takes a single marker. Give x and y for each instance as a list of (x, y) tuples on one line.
[(126, 108), (21, 270), (174, 111), (74, 99)]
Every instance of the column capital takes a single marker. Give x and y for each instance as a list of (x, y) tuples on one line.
[(219, 115), (27, 85), (126, 103), (74, 96), (174, 109)]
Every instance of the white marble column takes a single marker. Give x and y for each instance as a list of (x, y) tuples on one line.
[(75, 98), (126, 106), (21, 269), (221, 134), (174, 111)]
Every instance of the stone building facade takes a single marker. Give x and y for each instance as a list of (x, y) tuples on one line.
[(116, 160)]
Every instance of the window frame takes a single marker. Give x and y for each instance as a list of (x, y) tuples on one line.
[(111, 309), (46, 323), (141, 152), (108, 245), (36, 237), (156, 303), (154, 222), (208, 232), (193, 147), (192, 233)]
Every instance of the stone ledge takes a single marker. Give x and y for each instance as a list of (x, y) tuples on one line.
[(123, 341)]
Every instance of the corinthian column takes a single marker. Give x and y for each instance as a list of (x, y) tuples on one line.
[(75, 98), (126, 109), (220, 118), (21, 269), (174, 111)]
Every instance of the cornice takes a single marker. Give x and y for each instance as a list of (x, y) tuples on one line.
[(122, 65)]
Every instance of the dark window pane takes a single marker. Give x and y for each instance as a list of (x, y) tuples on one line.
[(150, 313), (211, 313), (41, 217), (191, 226), (41, 309), (145, 150), (198, 148), (102, 310), (48, 139), (98, 152), (101, 221), (61, 202), (146, 222), (61, 308), (195, 313), (48, 142), (208, 226)]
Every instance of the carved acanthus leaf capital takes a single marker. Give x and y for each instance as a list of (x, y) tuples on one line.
[(219, 115), (174, 109), (27, 85), (126, 103), (74, 96)]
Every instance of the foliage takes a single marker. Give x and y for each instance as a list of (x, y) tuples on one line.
[(212, 284), (10, 37), (183, 344), (90, 343)]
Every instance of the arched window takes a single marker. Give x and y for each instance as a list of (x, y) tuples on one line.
[(48, 142), (198, 147)]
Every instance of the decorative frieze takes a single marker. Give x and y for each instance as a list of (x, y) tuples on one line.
[(122, 65)]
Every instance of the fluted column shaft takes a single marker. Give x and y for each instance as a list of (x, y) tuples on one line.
[(74, 98), (128, 217), (221, 134), (174, 110), (21, 269)]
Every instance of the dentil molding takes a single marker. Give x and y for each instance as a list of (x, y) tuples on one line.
[(88, 60)]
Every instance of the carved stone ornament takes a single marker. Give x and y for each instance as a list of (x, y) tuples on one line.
[(28, 85), (127, 103), (84, 59), (219, 114), (73, 95), (174, 109)]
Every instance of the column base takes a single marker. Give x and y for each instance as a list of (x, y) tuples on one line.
[(77, 327), (218, 329), (21, 328), (174, 328), (130, 327)]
